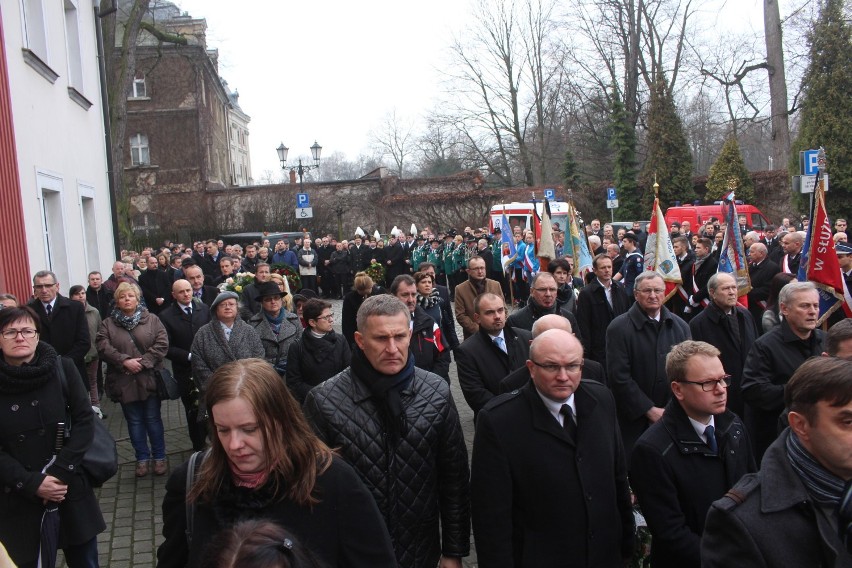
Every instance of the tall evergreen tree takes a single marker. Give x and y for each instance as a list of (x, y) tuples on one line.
[(570, 177), (623, 145), (669, 157), (730, 166), (827, 106)]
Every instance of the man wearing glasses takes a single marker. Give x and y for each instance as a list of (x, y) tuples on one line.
[(548, 476), (689, 458), (636, 346), (63, 321)]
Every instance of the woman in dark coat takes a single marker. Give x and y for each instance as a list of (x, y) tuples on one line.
[(319, 354), (362, 288), (33, 403), (277, 328), (265, 462)]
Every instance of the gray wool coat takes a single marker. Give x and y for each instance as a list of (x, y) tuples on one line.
[(210, 350), (275, 347)]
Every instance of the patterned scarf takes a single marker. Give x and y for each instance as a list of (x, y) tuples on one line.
[(427, 302), (127, 322), (275, 322), (825, 487)]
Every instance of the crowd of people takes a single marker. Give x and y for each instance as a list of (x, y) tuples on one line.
[(592, 393)]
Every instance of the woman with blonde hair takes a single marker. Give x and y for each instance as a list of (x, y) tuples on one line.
[(362, 288), (265, 462), (134, 342)]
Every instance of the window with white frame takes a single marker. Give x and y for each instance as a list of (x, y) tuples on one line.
[(139, 153), (72, 40), (140, 89), (35, 28)]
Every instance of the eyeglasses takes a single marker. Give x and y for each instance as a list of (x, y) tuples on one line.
[(26, 333), (553, 368), (710, 386), (43, 286), (649, 291), (329, 317)]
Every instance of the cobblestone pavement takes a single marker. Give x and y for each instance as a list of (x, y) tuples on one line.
[(132, 506)]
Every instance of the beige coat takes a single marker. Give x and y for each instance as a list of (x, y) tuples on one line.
[(115, 346)]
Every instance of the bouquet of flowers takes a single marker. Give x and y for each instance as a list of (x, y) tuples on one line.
[(377, 272), (237, 282), (290, 273)]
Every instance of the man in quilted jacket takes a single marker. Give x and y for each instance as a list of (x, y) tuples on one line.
[(397, 425)]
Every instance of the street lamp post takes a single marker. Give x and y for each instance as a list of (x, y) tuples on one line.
[(300, 168)]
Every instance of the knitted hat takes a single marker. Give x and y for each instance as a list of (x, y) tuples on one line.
[(227, 295)]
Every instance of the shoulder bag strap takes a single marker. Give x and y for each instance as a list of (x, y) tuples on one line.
[(191, 473)]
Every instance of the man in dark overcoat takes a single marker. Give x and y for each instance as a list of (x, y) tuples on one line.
[(637, 343), (63, 321), (689, 458), (487, 356), (182, 320), (548, 479), (761, 271), (730, 328), (599, 302)]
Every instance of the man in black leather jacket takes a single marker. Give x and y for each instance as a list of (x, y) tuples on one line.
[(398, 427)]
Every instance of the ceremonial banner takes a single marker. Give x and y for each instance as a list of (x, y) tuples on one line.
[(659, 253), (576, 244), (819, 262), (546, 248), (732, 258)]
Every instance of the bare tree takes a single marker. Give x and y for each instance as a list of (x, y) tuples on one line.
[(394, 138), (777, 82)]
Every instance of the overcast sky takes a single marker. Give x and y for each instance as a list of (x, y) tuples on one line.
[(330, 70)]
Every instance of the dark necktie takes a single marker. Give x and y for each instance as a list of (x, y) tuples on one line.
[(49, 309), (568, 423), (198, 293), (710, 433), (188, 311)]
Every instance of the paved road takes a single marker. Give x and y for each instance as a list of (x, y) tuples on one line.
[(132, 506)]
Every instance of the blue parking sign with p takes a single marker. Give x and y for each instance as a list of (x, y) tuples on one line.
[(610, 194), (302, 200), (550, 194), (811, 165)]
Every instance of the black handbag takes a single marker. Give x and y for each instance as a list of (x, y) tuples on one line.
[(167, 386), (100, 463)]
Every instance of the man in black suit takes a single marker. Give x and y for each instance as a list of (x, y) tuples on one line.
[(491, 353), (519, 377), (703, 267), (761, 271), (194, 275), (792, 244), (210, 262), (483, 250), (182, 320), (773, 244), (156, 287), (96, 294), (63, 322), (548, 468), (600, 302), (728, 327), (448, 322)]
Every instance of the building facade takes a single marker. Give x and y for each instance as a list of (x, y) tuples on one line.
[(55, 210), (187, 135)]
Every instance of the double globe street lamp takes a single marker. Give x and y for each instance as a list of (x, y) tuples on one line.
[(300, 168)]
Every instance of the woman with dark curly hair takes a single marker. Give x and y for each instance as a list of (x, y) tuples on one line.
[(428, 297), (265, 462)]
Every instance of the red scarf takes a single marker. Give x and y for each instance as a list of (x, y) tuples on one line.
[(250, 480)]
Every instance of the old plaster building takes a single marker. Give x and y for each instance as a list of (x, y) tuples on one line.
[(187, 135), (55, 210)]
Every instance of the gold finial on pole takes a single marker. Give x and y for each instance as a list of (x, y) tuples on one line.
[(656, 187), (732, 184)]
